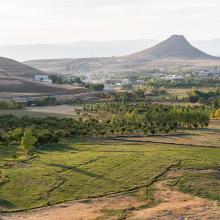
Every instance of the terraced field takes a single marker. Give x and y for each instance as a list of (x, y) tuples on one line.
[(78, 169), (15, 87)]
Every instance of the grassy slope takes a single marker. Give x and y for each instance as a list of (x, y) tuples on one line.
[(205, 185), (81, 169)]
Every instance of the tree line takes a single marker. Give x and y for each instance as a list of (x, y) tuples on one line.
[(151, 118), (100, 119), (211, 97), (183, 83)]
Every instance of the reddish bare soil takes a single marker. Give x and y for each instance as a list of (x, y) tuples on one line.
[(177, 205), (172, 205), (78, 210)]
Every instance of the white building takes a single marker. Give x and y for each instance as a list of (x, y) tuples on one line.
[(172, 77), (125, 81), (218, 70), (42, 78), (203, 73)]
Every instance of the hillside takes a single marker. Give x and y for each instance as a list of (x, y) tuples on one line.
[(175, 47), (16, 81), (18, 87), (9, 67)]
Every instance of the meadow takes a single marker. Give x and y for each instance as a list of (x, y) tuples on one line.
[(86, 168)]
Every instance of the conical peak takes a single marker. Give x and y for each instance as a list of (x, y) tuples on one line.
[(176, 36), (179, 38), (176, 46)]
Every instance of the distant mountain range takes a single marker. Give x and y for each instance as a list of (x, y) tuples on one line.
[(209, 46), (87, 49), (174, 51), (84, 49)]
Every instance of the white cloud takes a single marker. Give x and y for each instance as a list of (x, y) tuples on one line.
[(39, 21)]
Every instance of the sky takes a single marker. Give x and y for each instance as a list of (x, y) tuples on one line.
[(54, 21)]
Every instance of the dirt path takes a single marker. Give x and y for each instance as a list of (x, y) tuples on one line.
[(177, 205), (90, 209)]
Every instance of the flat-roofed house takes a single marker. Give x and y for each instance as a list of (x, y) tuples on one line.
[(42, 78)]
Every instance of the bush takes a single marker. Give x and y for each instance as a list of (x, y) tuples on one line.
[(193, 98), (96, 87)]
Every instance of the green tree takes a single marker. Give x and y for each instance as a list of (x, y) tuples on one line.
[(13, 150), (216, 103), (97, 87), (28, 141), (15, 135)]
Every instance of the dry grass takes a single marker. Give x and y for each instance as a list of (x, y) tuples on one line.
[(68, 110), (207, 136), (177, 205), (89, 209)]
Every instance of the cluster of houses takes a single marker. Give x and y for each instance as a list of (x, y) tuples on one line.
[(107, 80)]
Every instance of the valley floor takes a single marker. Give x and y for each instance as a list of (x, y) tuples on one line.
[(162, 177)]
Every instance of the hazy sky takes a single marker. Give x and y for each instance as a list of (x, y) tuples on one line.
[(49, 21)]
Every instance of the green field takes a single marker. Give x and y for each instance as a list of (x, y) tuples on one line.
[(77, 169)]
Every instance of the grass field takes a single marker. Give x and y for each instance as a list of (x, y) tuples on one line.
[(24, 112), (77, 169)]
